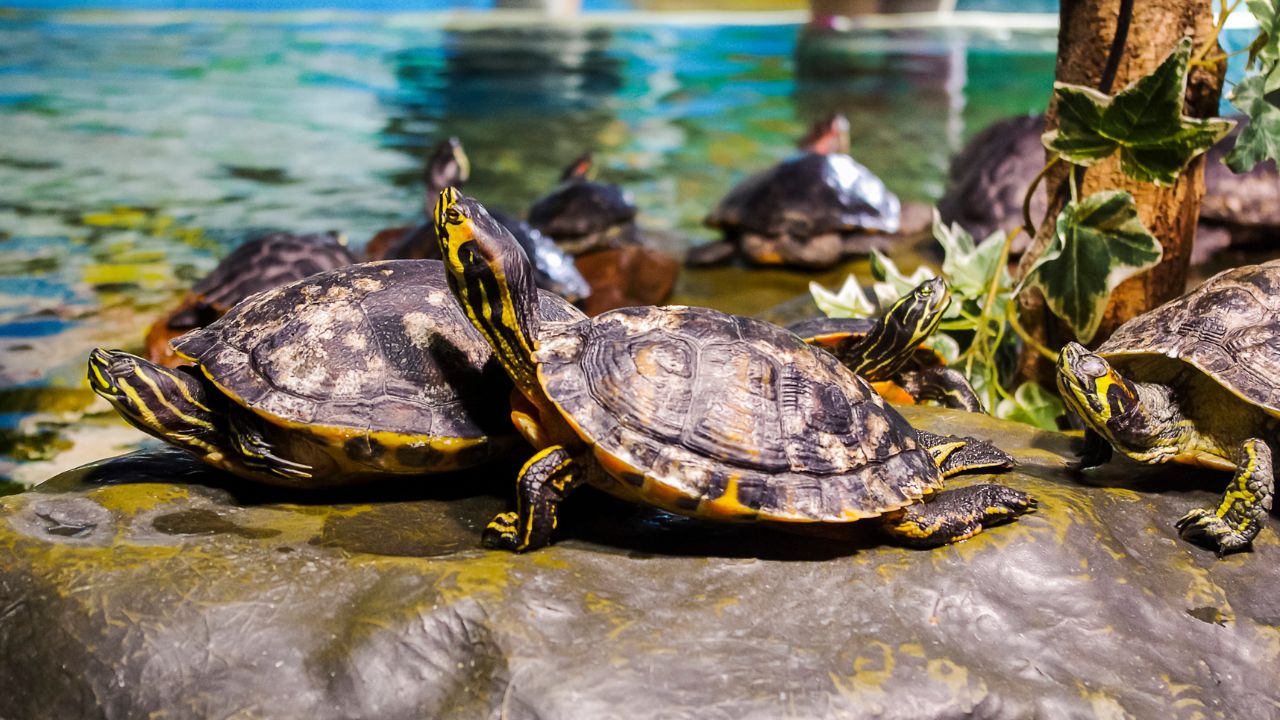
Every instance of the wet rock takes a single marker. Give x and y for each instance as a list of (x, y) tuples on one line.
[(149, 584)]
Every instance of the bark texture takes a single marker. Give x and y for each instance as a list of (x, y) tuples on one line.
[(1084, 41)]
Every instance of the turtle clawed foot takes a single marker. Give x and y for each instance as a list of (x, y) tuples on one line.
[(501, 533), (1205, 528), (959, 514)]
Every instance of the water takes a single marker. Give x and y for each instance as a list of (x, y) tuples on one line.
[(136, 149)]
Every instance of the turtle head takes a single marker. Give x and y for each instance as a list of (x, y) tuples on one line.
[(920, 311), (1135, 418), (492, 279), (447, 166), (893, 340), (828, 136), (168, 404), (579, 170)]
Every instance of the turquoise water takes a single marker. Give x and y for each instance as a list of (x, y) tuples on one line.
[(137, 148)]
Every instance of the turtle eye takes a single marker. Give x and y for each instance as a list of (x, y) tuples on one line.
[(926, 291), (1093, 367), (453, 216)]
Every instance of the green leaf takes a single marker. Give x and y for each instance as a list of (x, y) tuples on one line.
[(968, 266), (1260, 140), (1098, 244), (1144, 122), (1033, 405), (849, 302), (1266, 46)]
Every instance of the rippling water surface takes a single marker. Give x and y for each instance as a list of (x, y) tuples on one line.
[(137, 148)]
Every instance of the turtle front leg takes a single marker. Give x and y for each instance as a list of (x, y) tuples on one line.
[(954, 515), (543, 482), (946, 386), (1238, 518), (955, 455)]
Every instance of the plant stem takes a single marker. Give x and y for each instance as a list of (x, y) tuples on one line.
[(1012, 311), (1027, 225), (1212, 42)]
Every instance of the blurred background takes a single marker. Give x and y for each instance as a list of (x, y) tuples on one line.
[(142, 139)]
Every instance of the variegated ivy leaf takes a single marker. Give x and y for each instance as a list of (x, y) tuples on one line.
[(1098, 243), (968, 266), (1260, 140), (893, 284), (1033, 405), (849, 302), (1144, 122)]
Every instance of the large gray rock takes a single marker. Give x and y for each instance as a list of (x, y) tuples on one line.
[(147, 584)]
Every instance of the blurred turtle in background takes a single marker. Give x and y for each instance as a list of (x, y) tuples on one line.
[(988, 180), (582, 214), (448, 166), (261, 263), (808, 211)]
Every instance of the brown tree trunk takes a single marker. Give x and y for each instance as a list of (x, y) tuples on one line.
[(1084, 41)]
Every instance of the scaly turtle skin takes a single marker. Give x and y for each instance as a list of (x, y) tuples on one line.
[(1195, 381), (807, 211), (260, 264), (582, 215), (448, 165), (887, 352), (359, 373), (698, 412)]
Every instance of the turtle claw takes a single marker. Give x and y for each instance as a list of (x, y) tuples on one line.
[(1205, 528), (501, 533)]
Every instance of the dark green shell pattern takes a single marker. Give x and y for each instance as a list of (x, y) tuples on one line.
[(696, 398), (1229, 328), (376, 346)]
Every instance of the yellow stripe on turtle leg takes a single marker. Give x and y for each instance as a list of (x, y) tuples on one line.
[(543, 483), (1239, 515)]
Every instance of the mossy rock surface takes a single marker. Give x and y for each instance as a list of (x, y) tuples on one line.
[(149, 585)]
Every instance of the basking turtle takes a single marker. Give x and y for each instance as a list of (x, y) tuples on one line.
[(808, 211), (1195, 381), (887, 352), (448, 165), (262, 263), (358, 373), (582, 214), (698, 412)]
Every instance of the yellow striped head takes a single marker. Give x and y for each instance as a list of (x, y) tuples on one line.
[(1092, 388), (920, 311), (492, 279), (168, 404)]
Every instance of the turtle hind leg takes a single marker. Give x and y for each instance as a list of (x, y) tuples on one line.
[(955, 455), (1238, 517), (954, 515), (543, 483)]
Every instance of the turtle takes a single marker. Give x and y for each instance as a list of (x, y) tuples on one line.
[(888, 351), (359, 373), (448, 165), (1194, 381), (700, 413), (808, 211), (261, 263), (583, 215)]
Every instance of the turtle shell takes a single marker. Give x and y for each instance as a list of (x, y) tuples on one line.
[(725, 416), (1229, 328), (266, 262), (371, 347), (581, 207), (810, 194)]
